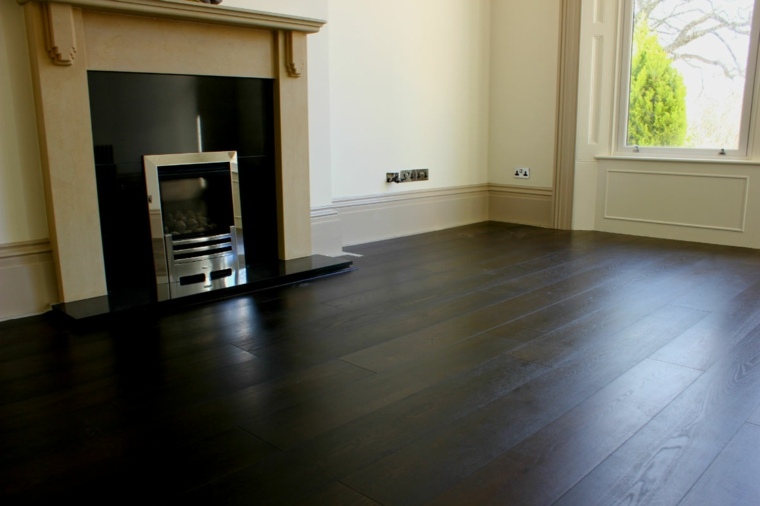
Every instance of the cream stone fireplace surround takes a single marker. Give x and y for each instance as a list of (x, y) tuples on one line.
[(70, 37)]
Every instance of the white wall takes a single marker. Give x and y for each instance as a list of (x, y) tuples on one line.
[(394, 85), (22, 202), (320, 161), (524, 56), (408, 90), (319, 87)]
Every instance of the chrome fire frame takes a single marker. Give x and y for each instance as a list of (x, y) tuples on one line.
[(194, 271)]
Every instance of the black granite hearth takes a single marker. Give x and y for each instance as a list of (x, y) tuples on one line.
[(260, 276)]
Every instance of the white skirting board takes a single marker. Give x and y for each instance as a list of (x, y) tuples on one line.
[(326, 233), (520, 204), (360, 220), (27, 279)]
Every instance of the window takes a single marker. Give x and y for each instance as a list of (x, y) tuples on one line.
[(689, 69)]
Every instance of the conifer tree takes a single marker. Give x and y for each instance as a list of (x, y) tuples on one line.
[(657, 103)]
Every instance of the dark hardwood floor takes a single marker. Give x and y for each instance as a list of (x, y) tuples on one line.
[(486, 364)]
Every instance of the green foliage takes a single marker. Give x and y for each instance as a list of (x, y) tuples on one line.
[(657, 103)]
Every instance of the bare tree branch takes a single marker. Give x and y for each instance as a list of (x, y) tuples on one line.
[(683, 22)]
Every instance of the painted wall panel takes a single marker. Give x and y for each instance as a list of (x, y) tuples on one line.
[(691, 200)]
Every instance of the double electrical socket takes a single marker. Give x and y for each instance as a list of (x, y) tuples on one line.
[(522, 173), (406, 176)]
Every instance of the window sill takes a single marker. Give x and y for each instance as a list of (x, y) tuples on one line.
[(675, 159)]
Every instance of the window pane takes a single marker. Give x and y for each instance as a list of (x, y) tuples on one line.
[(688, 73)]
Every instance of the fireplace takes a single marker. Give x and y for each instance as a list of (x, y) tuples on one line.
[(195, 222), (181, 135), (71, 39)]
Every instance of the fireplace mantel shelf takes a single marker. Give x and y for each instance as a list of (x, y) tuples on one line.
[(197, 11)]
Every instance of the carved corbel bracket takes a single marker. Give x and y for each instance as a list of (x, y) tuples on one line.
[(60, 38), (295, 53)]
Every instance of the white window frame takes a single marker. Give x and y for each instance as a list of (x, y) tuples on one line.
[(747, 118)]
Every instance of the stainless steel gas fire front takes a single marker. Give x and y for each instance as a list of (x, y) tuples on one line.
[(195, 222)]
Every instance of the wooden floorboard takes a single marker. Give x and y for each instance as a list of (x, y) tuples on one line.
[(732, 477), (535, 471), (664, 460), (488, 364)]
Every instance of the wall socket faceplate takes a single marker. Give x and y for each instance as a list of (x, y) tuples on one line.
[(420, 175), (522, 173), (407, 176)]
